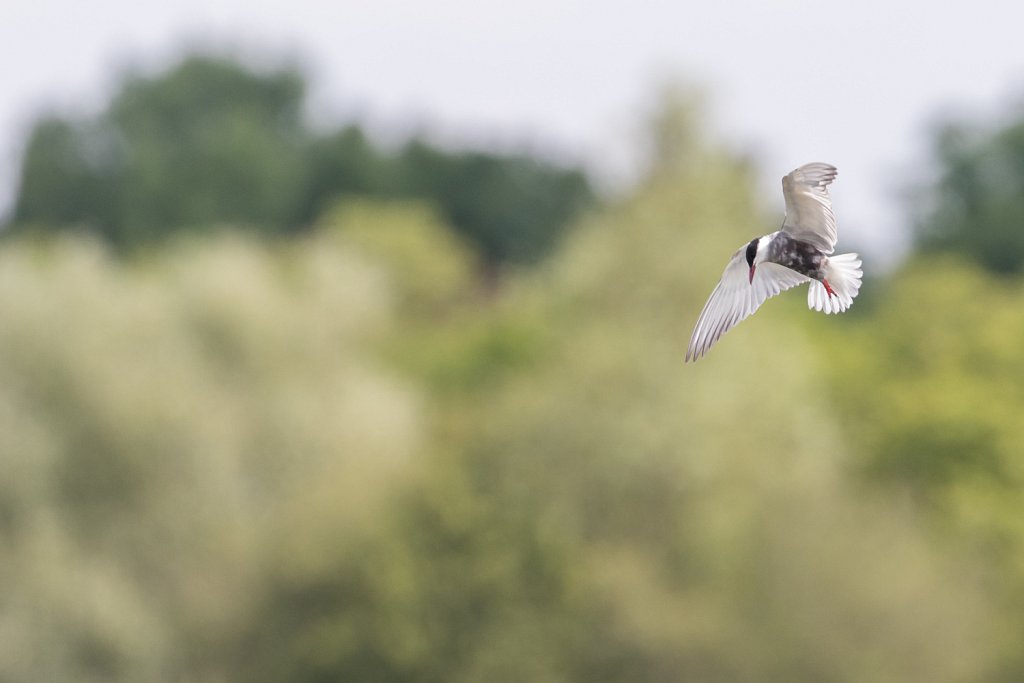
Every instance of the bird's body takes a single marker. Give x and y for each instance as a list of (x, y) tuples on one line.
[(794, 254), (799, 252)]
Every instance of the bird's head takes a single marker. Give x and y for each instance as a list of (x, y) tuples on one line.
[(752, 254)]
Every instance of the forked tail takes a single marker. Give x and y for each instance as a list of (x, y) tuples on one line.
[(843, 275)]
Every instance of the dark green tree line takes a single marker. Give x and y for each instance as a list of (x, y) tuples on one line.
[(213, 142), (976, 205)]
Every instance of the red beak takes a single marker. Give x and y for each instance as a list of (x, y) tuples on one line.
[(752, 274)]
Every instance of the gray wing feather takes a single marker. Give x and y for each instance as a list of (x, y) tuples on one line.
[(809, 214), (734, 299)]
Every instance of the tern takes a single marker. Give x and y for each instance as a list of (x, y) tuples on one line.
[(799, 252)]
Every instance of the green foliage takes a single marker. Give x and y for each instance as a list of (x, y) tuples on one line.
[(334, 459), (977, 204), (715, 538), (431, 267), (513, 208), (156, 425), (931, 387), (209, 141), (343, 163), (601, 512), (212, 142), (64, 178), (943, 341)]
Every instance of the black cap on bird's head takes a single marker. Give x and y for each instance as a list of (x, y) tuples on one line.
[(751, 253)]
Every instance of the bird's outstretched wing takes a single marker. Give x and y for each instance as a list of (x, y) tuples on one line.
[(809, 214), (735, 298)]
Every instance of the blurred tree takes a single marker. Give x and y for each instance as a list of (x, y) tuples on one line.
[(513, 208), (209, 141), (593, 510), (931, 388), (342, 164), (213, 142), (674, 138), (65, 176), (160, 437), (221, 464), (914, 377), (431, 266), (976, 205)]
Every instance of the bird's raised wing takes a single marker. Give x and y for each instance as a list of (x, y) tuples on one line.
[(809, 214), (735, 298)]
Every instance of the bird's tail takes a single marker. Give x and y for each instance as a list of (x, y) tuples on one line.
[(843, 275)]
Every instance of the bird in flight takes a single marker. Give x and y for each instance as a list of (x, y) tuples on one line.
[(797, 253)]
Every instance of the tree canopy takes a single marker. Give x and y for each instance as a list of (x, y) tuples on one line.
[(325, 459), (332, 458), (212, 142), (976, 206)]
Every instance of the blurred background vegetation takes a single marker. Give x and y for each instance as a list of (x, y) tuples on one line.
[(280, 403)]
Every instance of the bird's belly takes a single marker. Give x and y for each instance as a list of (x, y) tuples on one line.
[(796, 255)]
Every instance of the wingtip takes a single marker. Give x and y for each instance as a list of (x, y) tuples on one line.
[(693, 353)]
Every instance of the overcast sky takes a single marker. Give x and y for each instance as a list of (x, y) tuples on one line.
[(854, 84)]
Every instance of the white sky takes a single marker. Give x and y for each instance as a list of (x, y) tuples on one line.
[(854, 84)]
